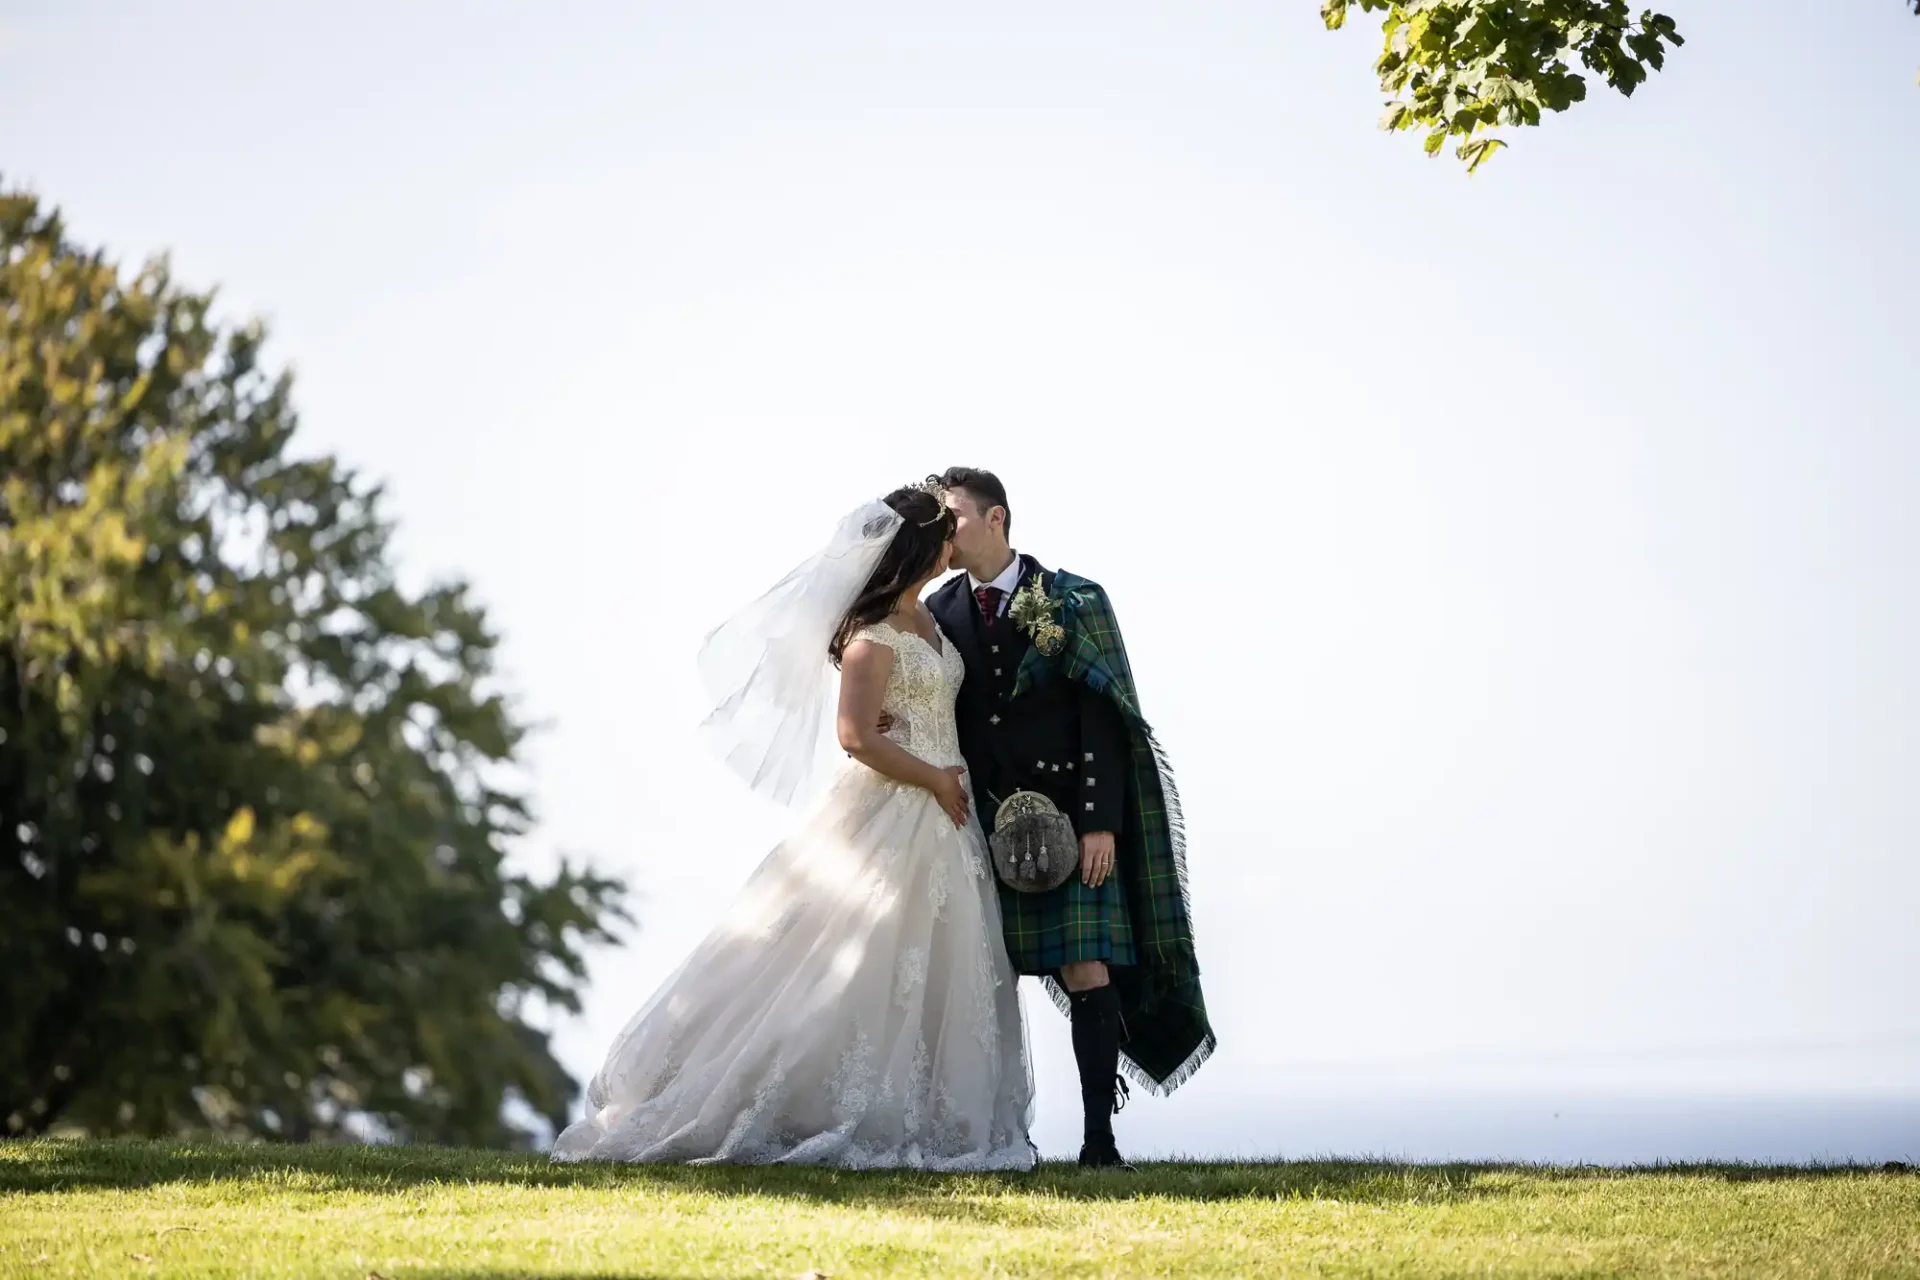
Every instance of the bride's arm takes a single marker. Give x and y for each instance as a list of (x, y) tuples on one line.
[(864, 668)]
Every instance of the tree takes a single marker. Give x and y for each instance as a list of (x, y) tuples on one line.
[(255, 796), (1462, 68)]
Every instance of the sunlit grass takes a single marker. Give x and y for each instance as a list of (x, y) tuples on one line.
[(89, 1209)]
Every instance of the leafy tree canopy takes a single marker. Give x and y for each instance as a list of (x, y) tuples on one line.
[(1463, 68), (255, 795)]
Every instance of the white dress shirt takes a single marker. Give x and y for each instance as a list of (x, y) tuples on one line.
[(1006, 584)]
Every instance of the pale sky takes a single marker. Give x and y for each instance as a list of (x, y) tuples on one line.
[(1520, 570)]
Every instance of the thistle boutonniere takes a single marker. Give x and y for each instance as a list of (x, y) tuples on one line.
[(1038, 614)]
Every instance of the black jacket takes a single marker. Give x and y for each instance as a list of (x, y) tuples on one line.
[(1058, 738)]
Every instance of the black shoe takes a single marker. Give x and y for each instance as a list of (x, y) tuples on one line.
[(1104, 1157)]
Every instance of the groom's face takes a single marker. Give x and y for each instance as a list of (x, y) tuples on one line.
[(974, 535)]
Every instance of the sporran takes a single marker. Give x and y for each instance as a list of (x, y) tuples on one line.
[(1034, 847)]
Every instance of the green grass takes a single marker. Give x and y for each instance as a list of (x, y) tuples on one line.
[(131, 1209)]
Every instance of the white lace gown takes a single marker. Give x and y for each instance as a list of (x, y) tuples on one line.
[(855, 1006)]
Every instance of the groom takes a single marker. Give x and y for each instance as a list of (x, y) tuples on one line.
[(1061, 717)]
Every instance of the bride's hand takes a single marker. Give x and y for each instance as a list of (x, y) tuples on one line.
[(949, 789)]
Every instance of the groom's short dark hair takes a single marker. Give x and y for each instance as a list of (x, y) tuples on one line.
[(983, 487)]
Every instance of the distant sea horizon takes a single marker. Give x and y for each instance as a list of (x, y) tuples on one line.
[(1580, 1125)]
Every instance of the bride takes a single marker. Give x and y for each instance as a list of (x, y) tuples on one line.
[(855, 1005)]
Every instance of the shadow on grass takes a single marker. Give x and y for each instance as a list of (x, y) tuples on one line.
[(54, 1166)]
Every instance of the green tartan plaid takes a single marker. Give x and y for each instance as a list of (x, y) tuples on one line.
[(1168, 1036), (1073, 922)]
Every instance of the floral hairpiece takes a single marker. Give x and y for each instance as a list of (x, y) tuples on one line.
[(932, 487)]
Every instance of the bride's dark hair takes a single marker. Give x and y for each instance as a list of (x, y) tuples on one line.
[(926, 525)]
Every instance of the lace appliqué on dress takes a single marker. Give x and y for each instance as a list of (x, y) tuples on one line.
[(852, 1084), (920, 692), (910, 981), (939, 884)]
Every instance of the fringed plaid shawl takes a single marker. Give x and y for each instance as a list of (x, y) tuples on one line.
[(1167, 1033)]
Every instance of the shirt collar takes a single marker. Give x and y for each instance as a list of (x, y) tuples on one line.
[(1008, 580)]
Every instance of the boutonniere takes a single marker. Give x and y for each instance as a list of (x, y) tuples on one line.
[(1038, 614)]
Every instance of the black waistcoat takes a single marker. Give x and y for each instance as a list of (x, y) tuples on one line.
[(1050, 739)]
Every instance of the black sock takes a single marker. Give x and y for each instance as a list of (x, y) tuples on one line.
[(1096, 1049)]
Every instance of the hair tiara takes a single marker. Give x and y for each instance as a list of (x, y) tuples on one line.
[(932, 487)]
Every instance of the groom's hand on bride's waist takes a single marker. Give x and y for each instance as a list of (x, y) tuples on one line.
[(1096, 858)]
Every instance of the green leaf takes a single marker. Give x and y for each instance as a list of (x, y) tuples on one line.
[(1478, 152), (1457, 66)]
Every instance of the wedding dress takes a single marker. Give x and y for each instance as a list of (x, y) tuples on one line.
[(855, 1006)]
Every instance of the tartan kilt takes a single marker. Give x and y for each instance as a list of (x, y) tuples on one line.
[(1168, 1036), (1073, 922)]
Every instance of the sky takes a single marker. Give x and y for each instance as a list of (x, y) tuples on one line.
[(1519, 569)]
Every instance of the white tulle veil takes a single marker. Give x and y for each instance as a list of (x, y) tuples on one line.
[(766, 668)]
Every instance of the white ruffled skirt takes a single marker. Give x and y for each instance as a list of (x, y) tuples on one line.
[(854, 1007)]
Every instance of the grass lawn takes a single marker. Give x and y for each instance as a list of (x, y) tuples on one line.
[(132, 1209)]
